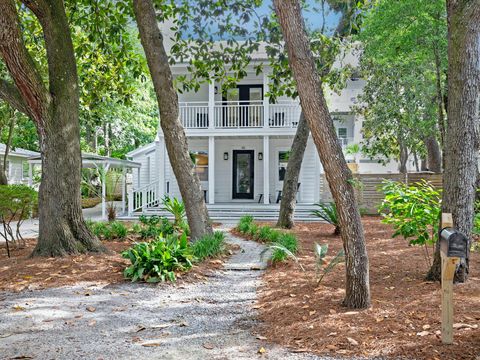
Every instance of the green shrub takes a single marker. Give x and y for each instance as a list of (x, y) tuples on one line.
[(286, 244), (119, 229), (136, 228), (413, 210), (209, 246), (244, 223), (328, 212), (155, 226), (252, 230), (158, 260), (17, 203), (114, 230), (265, 233)]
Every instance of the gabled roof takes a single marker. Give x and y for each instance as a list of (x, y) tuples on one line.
[(141, 149), (18, 152)]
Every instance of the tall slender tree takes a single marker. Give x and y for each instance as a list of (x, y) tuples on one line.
[(174, 134), (338, 175), (462, 133), (54, 109)]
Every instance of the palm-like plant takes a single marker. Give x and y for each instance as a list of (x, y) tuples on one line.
[(328, 212), (176, 208)]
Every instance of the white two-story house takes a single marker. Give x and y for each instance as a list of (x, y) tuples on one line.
[(240, 141)]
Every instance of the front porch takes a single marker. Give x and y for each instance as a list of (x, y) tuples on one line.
[(241, 171)]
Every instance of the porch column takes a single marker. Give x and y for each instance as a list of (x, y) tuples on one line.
[(124, 179), (211, 169), (266, 169), (211, 103), (266, 88), (104, 191)]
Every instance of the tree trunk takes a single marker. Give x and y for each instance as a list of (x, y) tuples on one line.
[(402, 165), (62, 229), (290, 182), (434, 155), (339, 177), (461, 140), (175, 139)]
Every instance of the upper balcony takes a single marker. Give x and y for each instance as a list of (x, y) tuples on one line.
[(239, 115), (250, 118)]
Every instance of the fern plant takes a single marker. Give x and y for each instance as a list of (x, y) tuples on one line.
[(328, 212), (321, 269)]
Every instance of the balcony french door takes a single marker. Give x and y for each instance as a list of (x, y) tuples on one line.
[(244, 106)]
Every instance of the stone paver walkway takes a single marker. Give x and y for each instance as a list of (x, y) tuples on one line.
[(211, 319)]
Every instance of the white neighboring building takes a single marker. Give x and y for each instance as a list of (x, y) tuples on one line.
[(17, 169), (240, 140)]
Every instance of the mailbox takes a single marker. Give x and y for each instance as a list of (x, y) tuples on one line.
[(453, 243)]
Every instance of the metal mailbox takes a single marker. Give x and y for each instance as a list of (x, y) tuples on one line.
[(453, 243)]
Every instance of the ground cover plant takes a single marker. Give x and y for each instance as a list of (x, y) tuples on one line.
[(209, 246), (154, 226), (283, 245), (108, 230), (160, 259)]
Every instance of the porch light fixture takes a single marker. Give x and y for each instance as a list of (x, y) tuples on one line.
[(225, 156), (260, 156)]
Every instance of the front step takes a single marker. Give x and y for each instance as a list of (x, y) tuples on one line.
[(234, 212)]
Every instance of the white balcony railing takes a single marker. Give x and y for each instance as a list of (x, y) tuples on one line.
[(284, 115), (239, 114), (194, 115)]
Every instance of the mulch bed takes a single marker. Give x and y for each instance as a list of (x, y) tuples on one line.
[(404, 320), (21, 272)]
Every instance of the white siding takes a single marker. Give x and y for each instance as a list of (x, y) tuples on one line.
[(147, 173), (15, 171)]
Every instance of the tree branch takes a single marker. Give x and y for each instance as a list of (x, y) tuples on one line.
[(10, 94), (20, 65)]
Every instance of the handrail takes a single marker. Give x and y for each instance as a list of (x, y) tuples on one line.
[(143, 197)]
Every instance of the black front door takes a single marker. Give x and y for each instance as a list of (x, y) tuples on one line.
[(243, 174)]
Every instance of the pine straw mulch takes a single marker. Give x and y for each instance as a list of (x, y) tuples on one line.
[(23, 273), (404, 320)]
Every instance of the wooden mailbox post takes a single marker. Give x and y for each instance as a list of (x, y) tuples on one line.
[(453, 247)]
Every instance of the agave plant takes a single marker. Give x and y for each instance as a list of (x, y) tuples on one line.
[(328, 212), (320, 253), (176, 208)]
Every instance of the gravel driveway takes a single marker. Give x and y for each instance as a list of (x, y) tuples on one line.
[(211, 319)]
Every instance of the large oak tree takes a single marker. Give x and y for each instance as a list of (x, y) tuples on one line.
[(54, 109)]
